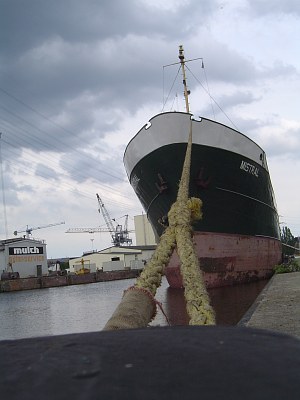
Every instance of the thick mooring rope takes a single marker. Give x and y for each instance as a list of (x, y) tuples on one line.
[(138, 306)]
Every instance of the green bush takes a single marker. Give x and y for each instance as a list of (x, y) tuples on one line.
[(292, 266)]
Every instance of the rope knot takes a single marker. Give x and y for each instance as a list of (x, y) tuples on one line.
[(195, 206)]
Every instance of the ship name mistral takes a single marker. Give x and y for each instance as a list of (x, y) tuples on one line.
[(251, 169)]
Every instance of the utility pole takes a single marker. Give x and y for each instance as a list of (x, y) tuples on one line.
[(3, 191)]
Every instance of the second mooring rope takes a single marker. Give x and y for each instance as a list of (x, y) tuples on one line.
[(138, 306)]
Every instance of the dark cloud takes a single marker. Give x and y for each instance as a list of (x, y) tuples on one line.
[(229, 102), (279, 69), (12, 190), (91, 167), (46, 172), (72, 70), (68, 67), (28, 24), (239, 97), (73, 59), (57, 50)]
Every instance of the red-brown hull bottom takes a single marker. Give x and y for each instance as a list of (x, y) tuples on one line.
[(227, 259)]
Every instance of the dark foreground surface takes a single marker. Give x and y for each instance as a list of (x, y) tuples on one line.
[(154, 363)]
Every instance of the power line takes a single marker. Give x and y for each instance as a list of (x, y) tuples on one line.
[(27, 143), (52, 145), (210, 96), (53, 166)]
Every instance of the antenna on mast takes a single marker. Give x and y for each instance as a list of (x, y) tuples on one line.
[(182, 63), (186, 91)]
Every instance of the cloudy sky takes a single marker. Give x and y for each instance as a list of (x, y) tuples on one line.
[(79, 78)]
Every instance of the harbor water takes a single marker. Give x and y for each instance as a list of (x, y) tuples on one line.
[(86, 308)]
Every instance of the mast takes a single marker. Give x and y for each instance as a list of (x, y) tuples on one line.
[(186, 91)]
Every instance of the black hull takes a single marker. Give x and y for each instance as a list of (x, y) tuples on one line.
[(234, 200), (238, 238)]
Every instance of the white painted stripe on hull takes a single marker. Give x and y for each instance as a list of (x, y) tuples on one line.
[(248, 197), (173, 127)]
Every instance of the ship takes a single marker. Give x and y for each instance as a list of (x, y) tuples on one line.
[(238, 238)]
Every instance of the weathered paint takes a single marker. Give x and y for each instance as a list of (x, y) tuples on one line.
[(227, 259)]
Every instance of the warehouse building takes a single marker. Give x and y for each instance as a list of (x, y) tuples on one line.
[(27, 257), (118, 258), (113, 259)]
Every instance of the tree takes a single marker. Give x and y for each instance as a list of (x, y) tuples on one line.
[(287, 237)]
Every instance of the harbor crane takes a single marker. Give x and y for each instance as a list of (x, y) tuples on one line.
[(29, 230), (87, 230), (119, 235), (92, 230)]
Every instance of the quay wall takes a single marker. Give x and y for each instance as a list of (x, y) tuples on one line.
[(56, 281), (277, 308)]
